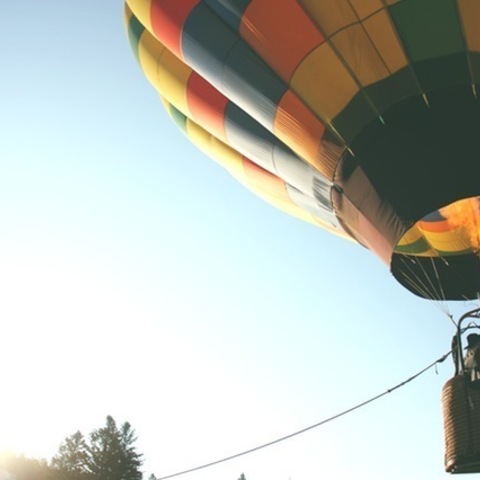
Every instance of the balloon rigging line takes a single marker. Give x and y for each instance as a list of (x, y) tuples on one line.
[(311, 427), (438, 278), (436, 295), (414, 280)]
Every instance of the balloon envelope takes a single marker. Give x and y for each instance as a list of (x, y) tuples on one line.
[(360, 116)]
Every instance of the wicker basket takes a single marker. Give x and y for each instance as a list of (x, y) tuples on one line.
[(461, 416)]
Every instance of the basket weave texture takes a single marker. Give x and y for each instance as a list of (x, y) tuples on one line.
[(461, 418)]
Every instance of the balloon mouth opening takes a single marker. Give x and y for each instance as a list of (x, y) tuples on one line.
[(450, 230), (439, 256)]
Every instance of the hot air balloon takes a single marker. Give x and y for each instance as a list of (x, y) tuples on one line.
[(360, 116)]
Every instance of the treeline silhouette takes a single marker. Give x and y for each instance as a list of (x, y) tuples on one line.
[(108, 453)]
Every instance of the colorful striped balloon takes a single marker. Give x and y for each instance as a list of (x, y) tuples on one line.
[(360, 116)]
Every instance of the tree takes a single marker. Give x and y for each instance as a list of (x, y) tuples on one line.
[(72, 458), (133, 460), (112, 455), (242, 477)]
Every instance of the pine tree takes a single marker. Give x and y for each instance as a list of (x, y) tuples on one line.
[(112, 455), (242, 477), (133, 460), (72, 458)]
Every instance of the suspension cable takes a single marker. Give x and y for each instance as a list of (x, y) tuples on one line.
[(434, 267), (415, 281)]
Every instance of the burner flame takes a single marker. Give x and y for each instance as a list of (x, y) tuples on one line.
[(465, 216)]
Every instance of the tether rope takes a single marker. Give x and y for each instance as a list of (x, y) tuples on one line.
[(311, 427)]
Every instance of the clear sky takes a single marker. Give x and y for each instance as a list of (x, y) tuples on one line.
[(139, 280)]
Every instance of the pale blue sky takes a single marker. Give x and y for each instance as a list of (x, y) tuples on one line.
[(137, 279)]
